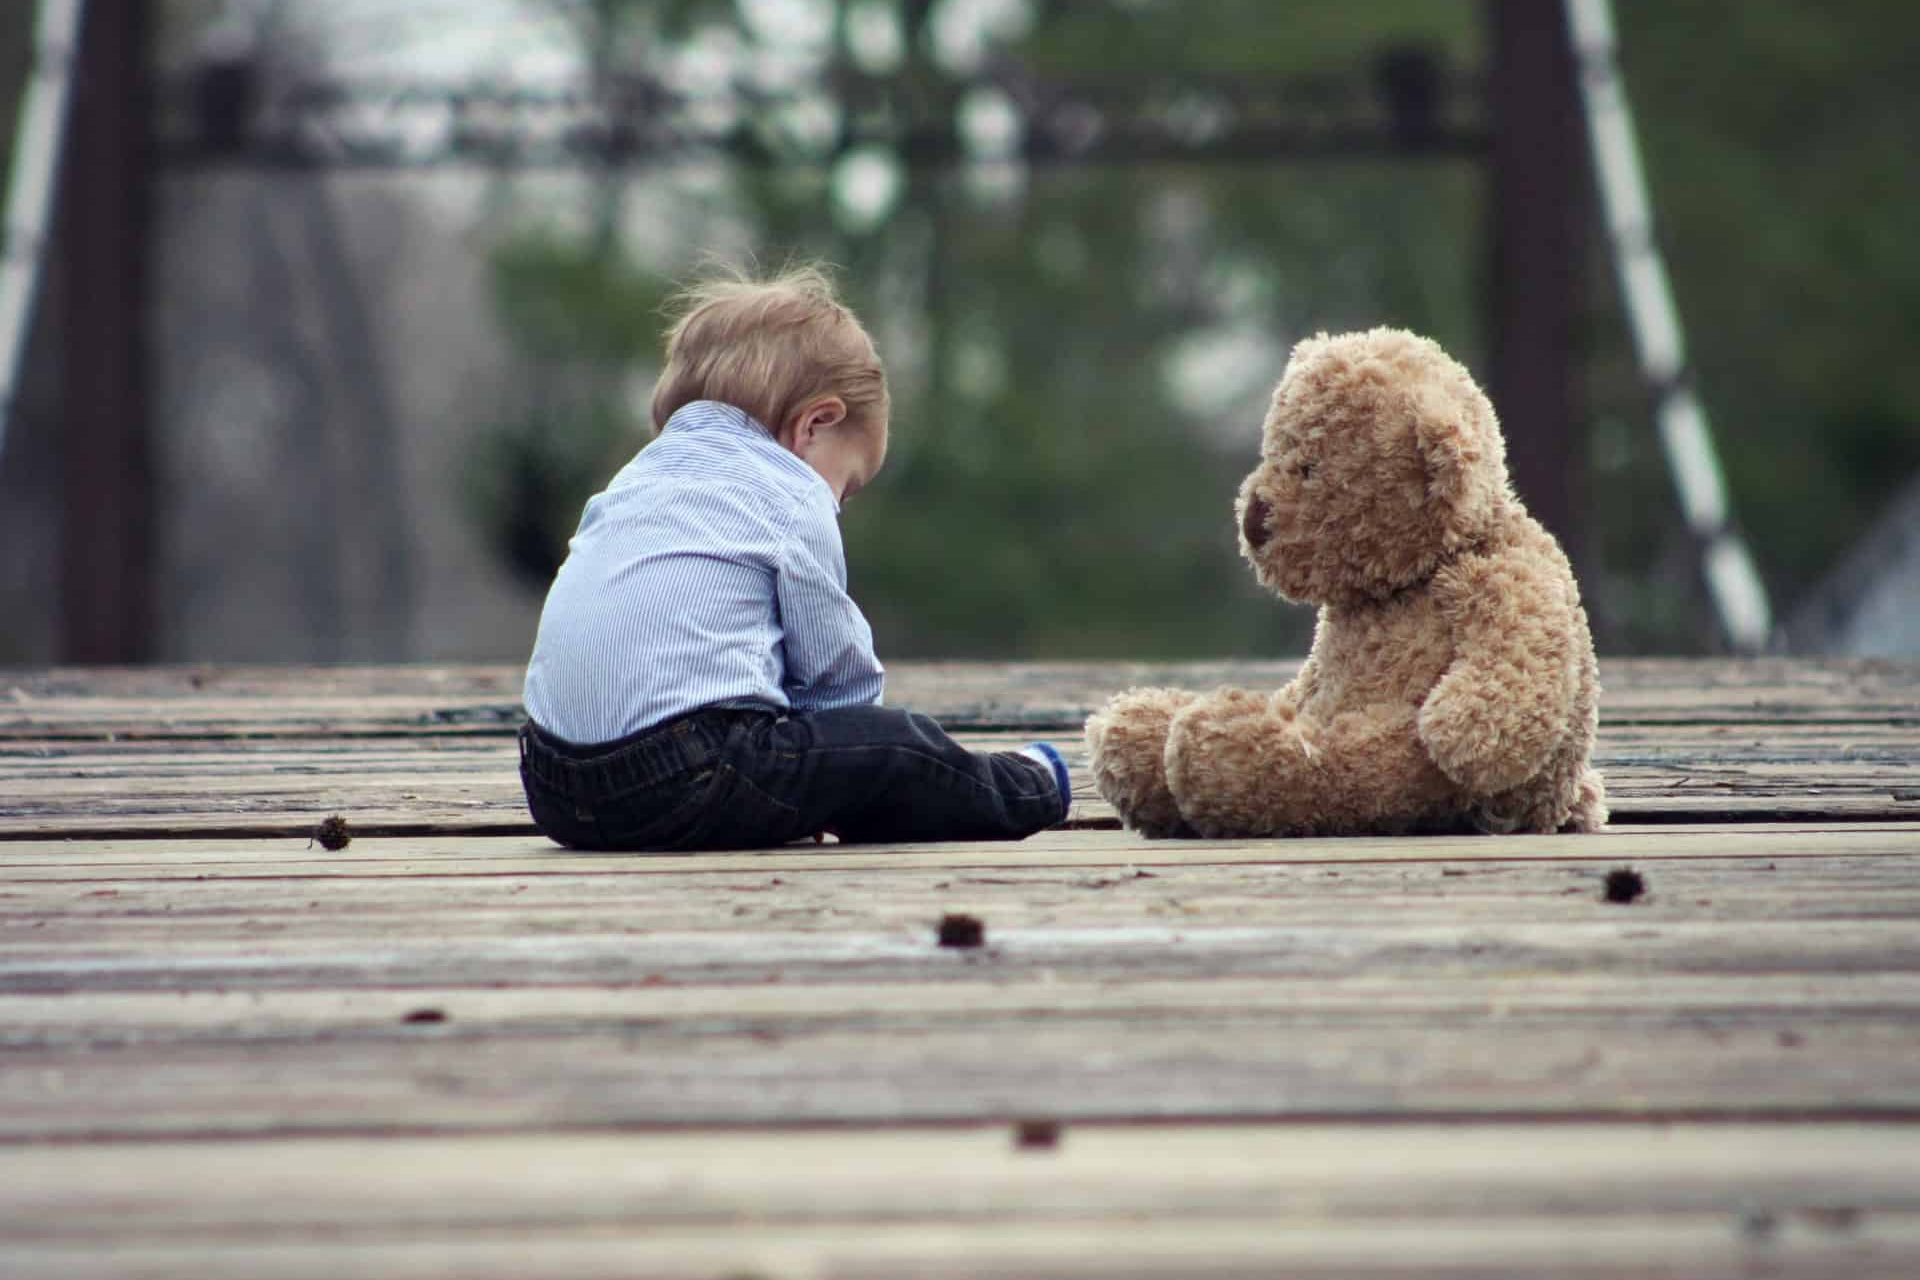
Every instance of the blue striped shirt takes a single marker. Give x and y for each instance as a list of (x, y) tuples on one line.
[(709, 570)]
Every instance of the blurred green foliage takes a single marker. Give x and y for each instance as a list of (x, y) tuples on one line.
[(1067, 440), (1777, 138)]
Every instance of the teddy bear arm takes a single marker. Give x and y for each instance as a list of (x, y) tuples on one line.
[(1372, 770), (1506, 702), (1295, 695)]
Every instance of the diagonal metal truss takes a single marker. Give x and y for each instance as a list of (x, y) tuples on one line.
[(1739, 595)]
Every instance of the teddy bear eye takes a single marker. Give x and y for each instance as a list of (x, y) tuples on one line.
[(1304, 470)]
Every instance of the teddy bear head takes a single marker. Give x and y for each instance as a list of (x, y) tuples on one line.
[(1380, 459)]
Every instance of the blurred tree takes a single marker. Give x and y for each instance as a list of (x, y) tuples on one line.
[(1081, 355), (1776, 136)]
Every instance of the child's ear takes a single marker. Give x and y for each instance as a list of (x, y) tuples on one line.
[(817, 416)]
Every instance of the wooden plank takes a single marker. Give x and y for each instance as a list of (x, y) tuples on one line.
[(1221, 991), (393, 785), (206, 1015), (1296, 1199), (970, 1068), (1618, 744), (1355, 978), (1714, 1246), (676, 1059), (136, 910), (433, 856), (203, 702), (265, 957), (1325, 1171)]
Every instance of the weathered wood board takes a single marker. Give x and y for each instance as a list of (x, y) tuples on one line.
[(1246, 1200), (453, 1048), (425, 784), (204, 702)]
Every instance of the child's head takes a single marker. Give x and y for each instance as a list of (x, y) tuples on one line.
[(788, 352)]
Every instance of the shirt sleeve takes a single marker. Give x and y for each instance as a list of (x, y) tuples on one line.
[(827, 643)]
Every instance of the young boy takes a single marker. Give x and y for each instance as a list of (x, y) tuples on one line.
[(701, 679)]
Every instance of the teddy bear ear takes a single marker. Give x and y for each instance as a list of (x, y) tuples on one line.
[(1305, 349), (1305, 352), (1449, 444)]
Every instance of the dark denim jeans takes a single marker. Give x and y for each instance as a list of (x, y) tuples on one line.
[(730, 778)]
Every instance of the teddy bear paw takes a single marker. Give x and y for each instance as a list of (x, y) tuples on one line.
[(1127, 744)]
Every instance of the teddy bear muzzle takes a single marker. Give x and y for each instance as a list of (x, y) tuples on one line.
[(1253, 525)]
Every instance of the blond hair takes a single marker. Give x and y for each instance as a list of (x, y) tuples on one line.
[(769, 347)]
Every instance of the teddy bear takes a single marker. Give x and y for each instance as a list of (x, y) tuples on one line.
[(1451, 685)]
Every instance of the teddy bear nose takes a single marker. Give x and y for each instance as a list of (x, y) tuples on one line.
[(1253, 525)]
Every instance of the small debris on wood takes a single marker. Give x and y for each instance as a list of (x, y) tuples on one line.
[(958, 930), (333, 834), (425, 1015), (1624, 884), (1107, 882), (1832, 1217), (1758, 1225), (1790, 1039), (1036, 1135), (1453, 871)]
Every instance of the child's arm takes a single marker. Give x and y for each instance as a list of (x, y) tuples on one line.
[(828, 645)]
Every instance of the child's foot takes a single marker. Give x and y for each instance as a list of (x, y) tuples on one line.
[(1045, 753)]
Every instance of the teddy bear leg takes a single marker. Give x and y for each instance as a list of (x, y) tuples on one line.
[(1252, 767), (1239, 763), (1127, 740)]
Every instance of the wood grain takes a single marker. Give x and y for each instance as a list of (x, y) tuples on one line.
[(428, 783), (453, 1048), (1733, 1246), (1134, 1200), (206, 702)]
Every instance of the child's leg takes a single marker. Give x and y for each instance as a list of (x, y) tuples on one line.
[(874, 773)]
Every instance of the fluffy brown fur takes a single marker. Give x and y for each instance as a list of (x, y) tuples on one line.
[(1452, 683)]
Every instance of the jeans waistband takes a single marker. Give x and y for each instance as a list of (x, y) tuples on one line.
[(648, 757)]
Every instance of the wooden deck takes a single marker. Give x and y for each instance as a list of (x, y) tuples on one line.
[(452, 1049)]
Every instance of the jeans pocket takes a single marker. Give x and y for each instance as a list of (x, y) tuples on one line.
[(740, 815), (659, 818), (555, 814)]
